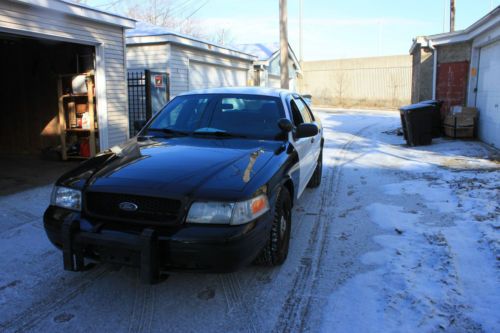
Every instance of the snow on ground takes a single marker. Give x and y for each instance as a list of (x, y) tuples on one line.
[(396, 239)]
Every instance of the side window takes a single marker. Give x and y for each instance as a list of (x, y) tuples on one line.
[(297, 117), (304, 111)]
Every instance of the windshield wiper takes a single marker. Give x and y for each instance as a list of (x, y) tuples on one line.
[(168, 131), (209, 131)]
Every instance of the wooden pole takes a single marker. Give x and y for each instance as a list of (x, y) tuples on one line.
[(284, 44), (452, 15)]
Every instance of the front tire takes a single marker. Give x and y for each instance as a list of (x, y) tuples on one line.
[(276, 250)]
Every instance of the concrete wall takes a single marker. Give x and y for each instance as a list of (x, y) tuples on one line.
[(361, 82), (454, 53), (422, 72)]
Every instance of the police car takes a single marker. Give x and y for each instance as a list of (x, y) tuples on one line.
[(208, 184)]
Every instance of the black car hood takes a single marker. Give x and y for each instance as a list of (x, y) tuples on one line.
[(183, 165)]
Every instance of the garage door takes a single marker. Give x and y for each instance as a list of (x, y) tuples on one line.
[(204, 76), (488, 94)]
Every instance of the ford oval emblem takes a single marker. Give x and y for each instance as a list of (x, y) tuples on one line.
[(128, 206)]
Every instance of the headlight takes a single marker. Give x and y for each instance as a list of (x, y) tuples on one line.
[(66, 198), (228, 212)]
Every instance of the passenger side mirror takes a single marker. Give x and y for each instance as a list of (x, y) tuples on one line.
[(285, 125), (139, 124), (306, 130)]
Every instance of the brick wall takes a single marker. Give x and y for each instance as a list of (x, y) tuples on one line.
[(451, 85)]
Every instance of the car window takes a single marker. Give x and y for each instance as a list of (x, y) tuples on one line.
[(304, 111), (296, 115), (183, 113), (248, 115)]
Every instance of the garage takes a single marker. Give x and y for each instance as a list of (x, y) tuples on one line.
[(463, 68), (191, 63), (488, 93), (63, 88), (206, 75)]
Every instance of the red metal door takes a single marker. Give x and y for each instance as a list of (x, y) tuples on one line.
[(451, 85)]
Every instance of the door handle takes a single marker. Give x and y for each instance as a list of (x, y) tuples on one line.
[(312, 140)]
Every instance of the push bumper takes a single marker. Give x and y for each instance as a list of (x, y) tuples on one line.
[(213, 248)]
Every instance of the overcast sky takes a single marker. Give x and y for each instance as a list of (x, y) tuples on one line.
[(333, 28)]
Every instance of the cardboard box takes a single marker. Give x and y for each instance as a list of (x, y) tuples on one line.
[(459, 120), (464, 111), (461, 116), (81, 108), (459, 132)]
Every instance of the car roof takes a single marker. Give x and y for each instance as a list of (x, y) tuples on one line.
[(273, 92)]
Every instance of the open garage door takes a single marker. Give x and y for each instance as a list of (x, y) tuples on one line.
[(488, 94), (205, 75), (34, 73)]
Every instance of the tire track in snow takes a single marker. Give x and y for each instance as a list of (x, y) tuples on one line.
[(297, 304), (42, 309), (234, 298), (141, 318)]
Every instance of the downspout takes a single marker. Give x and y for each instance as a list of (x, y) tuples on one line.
[(434, 69)]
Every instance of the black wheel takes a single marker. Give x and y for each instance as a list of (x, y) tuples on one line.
[(276, 251), (315, 180)]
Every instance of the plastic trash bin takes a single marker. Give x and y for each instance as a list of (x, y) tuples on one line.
[(417, 122), (437, 125)]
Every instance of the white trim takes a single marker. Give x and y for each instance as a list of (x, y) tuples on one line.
[(125, 71), (81, 11), (215, 62), (39, 35), (101, 97), (188, 42)]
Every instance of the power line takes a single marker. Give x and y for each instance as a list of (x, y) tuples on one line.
[(198, 9)]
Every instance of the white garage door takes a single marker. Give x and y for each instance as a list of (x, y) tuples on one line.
[(204, 76), (488, 94)]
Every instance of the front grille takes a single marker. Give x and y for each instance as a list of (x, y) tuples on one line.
[(149, 209)]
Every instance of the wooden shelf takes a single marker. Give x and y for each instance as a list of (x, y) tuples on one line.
[(76, 130), (64, 131)]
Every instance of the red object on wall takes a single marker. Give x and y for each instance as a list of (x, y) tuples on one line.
[(85, 148), (451, 85)]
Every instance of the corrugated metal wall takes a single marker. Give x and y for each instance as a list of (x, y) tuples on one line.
[(365, 82)]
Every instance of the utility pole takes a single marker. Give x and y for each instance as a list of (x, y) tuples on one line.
[(284, 44), (452, 15), (301, 32), (444, 16)]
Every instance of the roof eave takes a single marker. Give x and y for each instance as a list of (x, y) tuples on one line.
[(490, 21), (82, 11), (190, 42)]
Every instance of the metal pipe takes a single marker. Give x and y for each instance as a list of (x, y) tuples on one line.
[(434, 69)]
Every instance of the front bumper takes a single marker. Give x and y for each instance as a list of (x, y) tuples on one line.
[(211, 248)]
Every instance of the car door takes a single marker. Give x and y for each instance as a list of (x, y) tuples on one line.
[(302, 146), (306, 112)]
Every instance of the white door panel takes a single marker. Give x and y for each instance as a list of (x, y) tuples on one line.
[(205, 76), (488, 94)]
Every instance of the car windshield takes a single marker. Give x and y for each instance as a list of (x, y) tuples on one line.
[(222, 116)]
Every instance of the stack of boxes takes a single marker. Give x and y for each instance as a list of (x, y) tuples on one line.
[(461, 122)]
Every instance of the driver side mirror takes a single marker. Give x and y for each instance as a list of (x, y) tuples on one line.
[(306, 130), (285, 125)]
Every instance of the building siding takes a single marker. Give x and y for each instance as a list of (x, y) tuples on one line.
[(178, 66), (42, 23)]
